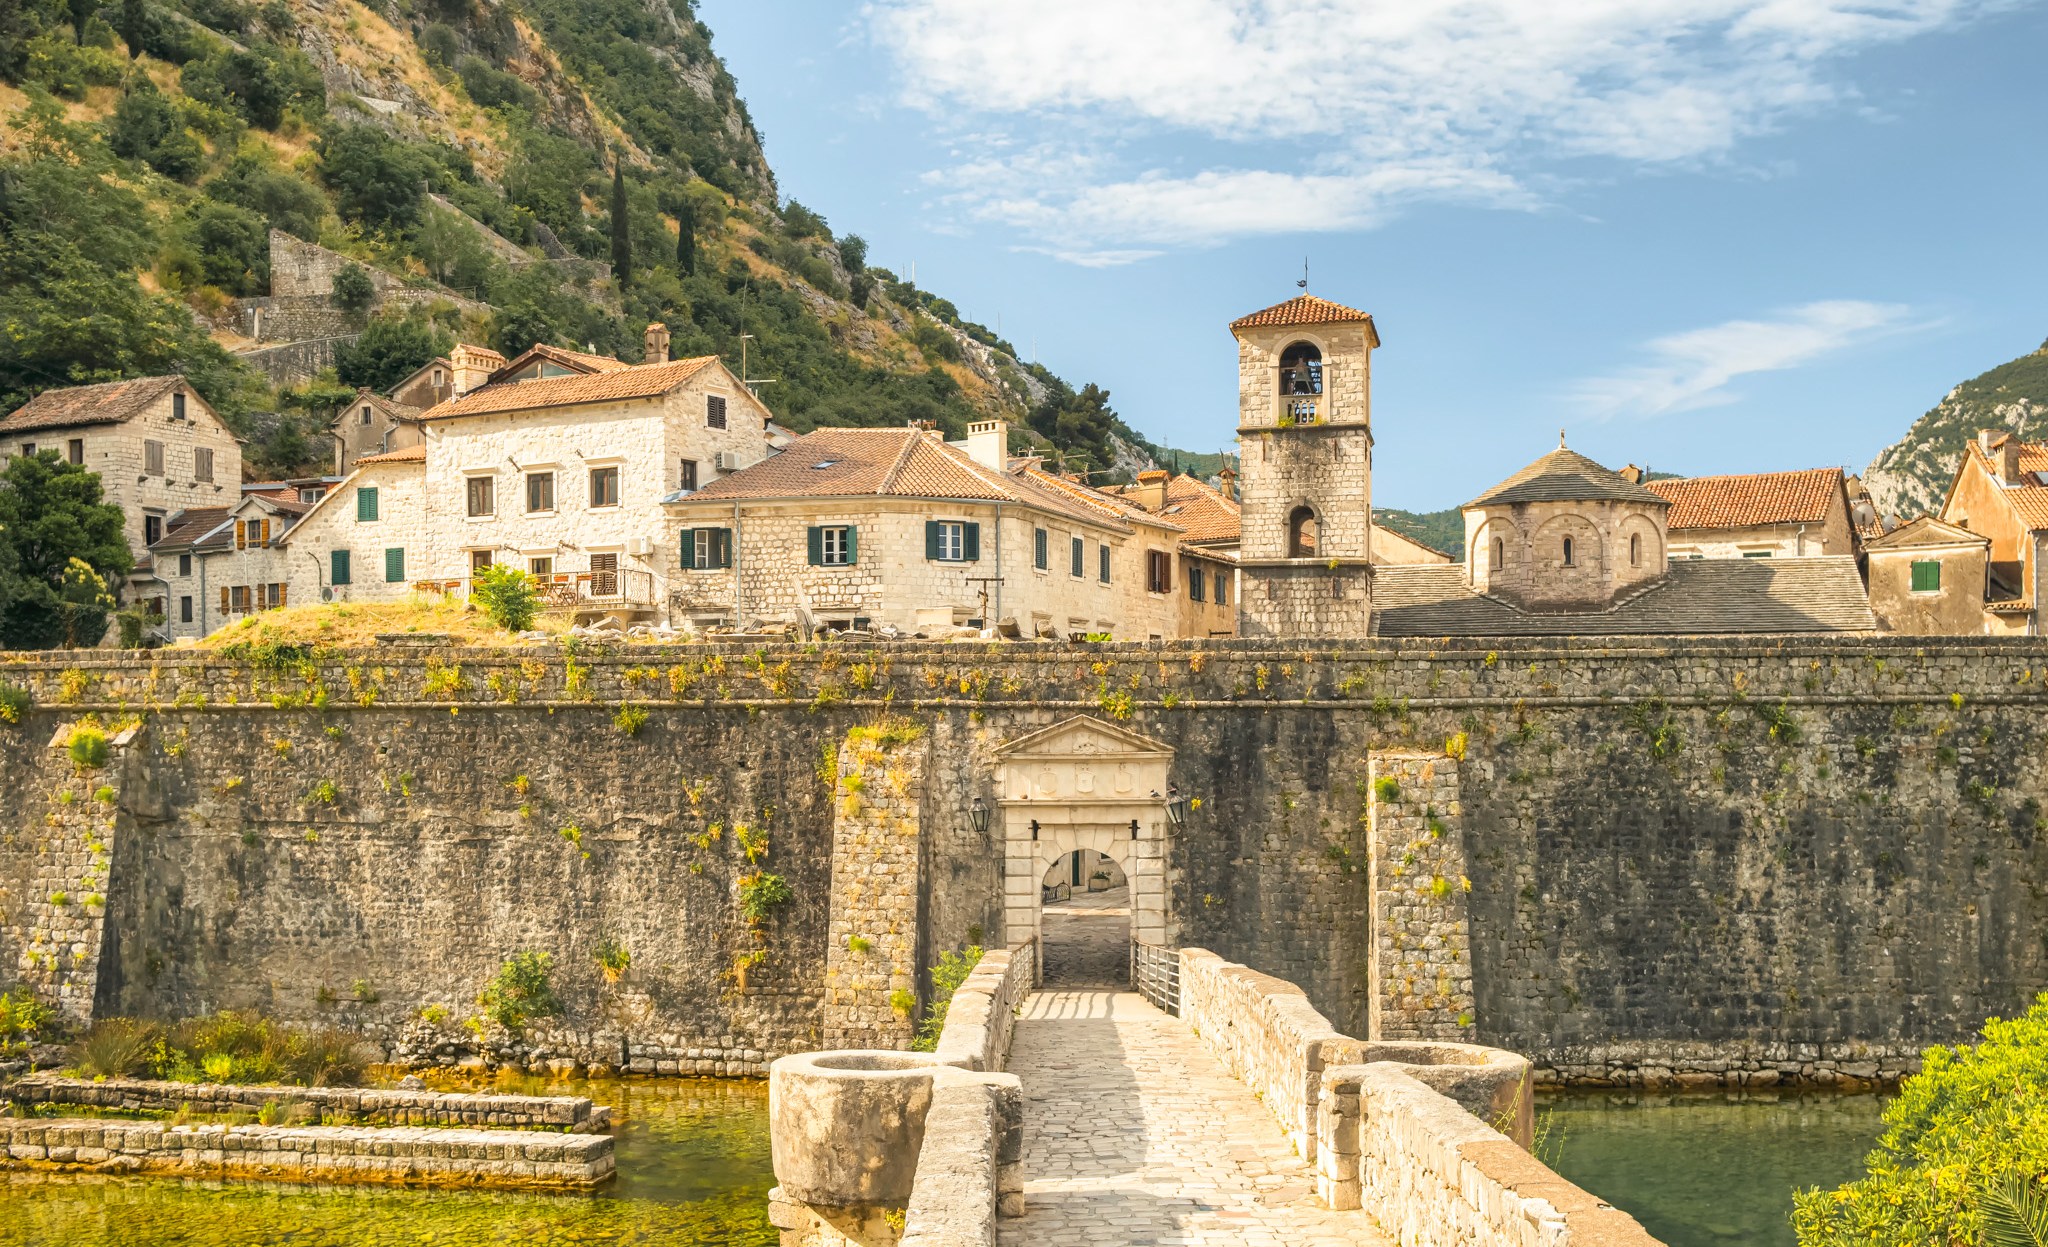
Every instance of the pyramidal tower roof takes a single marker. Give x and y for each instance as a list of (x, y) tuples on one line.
[(1303, 309), (1565, 475)]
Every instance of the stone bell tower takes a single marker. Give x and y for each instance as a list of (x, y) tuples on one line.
[(1305, 440)]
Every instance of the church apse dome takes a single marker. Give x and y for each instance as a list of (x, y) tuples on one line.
[(1565, 534)]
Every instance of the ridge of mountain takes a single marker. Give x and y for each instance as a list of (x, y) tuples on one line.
[(1911, 476)]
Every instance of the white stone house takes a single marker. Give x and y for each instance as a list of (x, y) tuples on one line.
[(366, 540), (218, 565), (158, 447), (872, 527), (1758, 515)]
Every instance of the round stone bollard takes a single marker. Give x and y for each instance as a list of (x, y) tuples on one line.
[(845, 1127)]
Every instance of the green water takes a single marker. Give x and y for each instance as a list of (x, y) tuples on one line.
[(1711, 1170), (692, 1170)]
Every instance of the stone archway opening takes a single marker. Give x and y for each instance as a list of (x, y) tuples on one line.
[(1085, 920)]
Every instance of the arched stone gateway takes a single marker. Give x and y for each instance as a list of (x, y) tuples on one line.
[(1084, 784)]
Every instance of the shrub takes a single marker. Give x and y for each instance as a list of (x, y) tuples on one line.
[(1387, 788), (612, 959), (952, 970), (117, 1048), (761, 894), (520, 991), (89, 747), (1959, 1135), (22, 1019), (15, 703), (630, 719), (506, 597), (353, 289)]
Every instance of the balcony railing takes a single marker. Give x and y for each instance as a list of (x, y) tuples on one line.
[(572, 591), (1300, 409)]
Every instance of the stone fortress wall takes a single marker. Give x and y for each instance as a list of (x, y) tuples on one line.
[(1709, 860)]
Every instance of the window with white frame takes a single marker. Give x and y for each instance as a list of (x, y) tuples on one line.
[(482, 495), (952, 541)]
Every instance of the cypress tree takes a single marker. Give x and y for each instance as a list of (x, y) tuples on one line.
[(622, 243), (132, 25), (81, 12), (686, 239)]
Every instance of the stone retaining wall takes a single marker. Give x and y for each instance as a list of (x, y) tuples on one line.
[(399, 1154), (983, 1014), (393, 1106), (967, 1149)]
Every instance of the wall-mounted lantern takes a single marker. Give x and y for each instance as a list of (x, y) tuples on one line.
[(1176, 807), (1034, 829), (977, 815), (1134, 829)]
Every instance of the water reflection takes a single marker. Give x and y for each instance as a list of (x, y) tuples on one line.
[(693, 1170), (1711, 1170)]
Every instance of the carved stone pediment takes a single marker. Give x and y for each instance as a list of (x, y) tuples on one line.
[(1084, 759)]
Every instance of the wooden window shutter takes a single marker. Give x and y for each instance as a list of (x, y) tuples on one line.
[(931, 539), (852, 544), (264, 538), (688, 541), (394, 564), (241, 535), (283, 592), (815, 539), (970, 542), (223, 600)]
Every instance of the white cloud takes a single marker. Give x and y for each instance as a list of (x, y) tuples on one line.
[(1692, 370), (1332, 114)]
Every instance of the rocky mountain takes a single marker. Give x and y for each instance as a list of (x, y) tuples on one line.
[(1911, 476), (496, 150)]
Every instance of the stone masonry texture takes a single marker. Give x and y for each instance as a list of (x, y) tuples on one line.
[(1421, 924), (1711, 860)]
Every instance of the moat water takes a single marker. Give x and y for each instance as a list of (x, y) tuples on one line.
[(693, 1171), (1710, 1170)]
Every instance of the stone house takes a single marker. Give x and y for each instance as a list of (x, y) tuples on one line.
[(871, 527), (1928, 578), (1201, 579), (157, 446), (1566, 547), (217, 565), (2001, 491), (373, 425), (1759, 515), (366, 539), (462, 369)]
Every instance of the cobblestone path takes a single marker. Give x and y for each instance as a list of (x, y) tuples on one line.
[(1087, 940), (1134, 1134)]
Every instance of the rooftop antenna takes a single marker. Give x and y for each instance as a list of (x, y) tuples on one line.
[(1303, 283)]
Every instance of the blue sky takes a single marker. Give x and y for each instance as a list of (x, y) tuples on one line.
[(1706, 235)]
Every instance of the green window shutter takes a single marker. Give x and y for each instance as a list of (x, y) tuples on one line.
[(970, 542), (1039, 542), (931, 539), (688, 541), (815, 536), (338, 567), (852, 544), (1103, 559), (1927, 577), (366, 505), (1080, 558), (394, 564)]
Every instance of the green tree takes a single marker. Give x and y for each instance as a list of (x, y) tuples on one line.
[(284, 200), (150, 127), (134, 22), (1965, 1137), (353, 290), (81, 13), (375, 179), (63, 545), (506, 596), (233, 246), (686, 238), (392, 348), (622, 238)]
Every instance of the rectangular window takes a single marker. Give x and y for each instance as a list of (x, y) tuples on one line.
[(1927, 577), (366, 413), (185, 610), (74, 450), (478, 560), (832, 545), (1756, 554), (687, 479), (1080, 558), (152, 529), (952, 541), (273, 596), (177, 406), (483, 498), (1041, 555), (1195, 586), (540, 567), (202, 461), (152, 458), (540, 491), (238, 599), (604, 487), (714, 411), (337, 567), (707, 549), (28, 450), (394, 564), (366, 505), (1102, 563), (184, 565), (1158, 571)]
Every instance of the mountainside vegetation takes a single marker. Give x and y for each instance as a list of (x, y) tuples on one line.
[(1911, 477), (150, 146)]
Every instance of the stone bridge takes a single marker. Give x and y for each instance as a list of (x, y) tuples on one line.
[(1187, 1100)]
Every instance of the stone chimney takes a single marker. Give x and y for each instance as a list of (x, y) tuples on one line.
[(1632, 474), (2009, 460), (1226, 483), (471, 367), (1150, 491), (657, 343), (988, 444)]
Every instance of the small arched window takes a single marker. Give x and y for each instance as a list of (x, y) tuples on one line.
[(1568, 553), (1301, 533), (1499, 554), (1635, 550), (1301, 370)]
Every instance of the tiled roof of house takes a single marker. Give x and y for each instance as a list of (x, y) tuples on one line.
[(1704, 597), (1750, 500), (389, 406), (1107, 503), (1923, 532), (411, 454), (619, 384), (2030, 499), (1204, 513), (1565, 475), (581, 361), (110, 402), (906, 463), (189, 526), (1302, 309)]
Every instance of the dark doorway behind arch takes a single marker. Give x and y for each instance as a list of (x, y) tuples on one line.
[(1301, 533), (1086, 933)]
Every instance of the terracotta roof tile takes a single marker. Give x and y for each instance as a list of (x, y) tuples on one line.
[(411, 454), (110, 402), (1107, 503), (581, 361), (191, 525), (2029, 500), (634, 381), (1746, 501), (1302, 309)]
